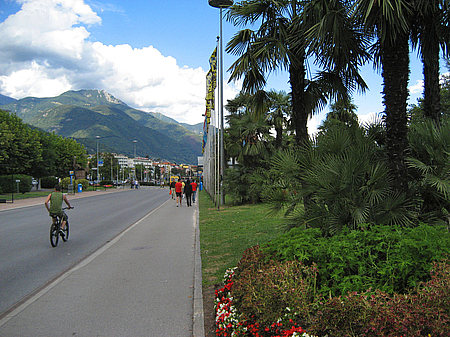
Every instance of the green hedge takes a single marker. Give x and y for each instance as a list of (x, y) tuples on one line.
[(8, 183), (48, 182), (388, 258)]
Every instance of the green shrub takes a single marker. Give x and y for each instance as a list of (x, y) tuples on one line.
[(48, 182), (65, 183), (83, 182), (424, 312), (236, 184), (388, 258), (8, 183)]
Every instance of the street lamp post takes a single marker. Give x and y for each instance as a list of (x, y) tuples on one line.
[(98, 178), (221, 4), (134, 161)]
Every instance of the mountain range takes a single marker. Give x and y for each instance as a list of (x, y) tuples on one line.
[(85, 114)]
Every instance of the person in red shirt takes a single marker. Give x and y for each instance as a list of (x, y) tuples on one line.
[(179, 191), (194, 190)]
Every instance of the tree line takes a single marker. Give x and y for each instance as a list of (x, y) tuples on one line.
[(30, 151)]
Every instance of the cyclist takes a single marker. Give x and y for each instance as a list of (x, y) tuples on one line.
[(55, 209)]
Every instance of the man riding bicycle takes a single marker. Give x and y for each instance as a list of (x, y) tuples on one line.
[(55, 209)]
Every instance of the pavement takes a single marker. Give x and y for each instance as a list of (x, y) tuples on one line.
[(110, 292)]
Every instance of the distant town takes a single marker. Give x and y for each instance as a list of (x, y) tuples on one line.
[(143, 169)]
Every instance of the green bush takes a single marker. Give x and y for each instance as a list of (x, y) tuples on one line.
[(423, 312), (8, 183), (65, 183), (106, 182), (388, 258), (83, 182), (48, 182)]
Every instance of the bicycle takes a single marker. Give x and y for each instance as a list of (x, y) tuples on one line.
[(56, 232)]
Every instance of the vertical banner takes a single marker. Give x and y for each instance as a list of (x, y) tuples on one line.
[(210, 89)]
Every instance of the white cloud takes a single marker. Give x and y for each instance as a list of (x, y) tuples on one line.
[(45, 50), (416, 88), (40, 82)]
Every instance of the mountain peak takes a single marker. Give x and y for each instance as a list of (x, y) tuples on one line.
[(103, 94), (92, 96)]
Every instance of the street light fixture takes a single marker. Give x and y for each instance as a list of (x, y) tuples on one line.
[(221, 4)]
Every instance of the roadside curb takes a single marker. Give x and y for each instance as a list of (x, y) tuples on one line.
[(198, 319)]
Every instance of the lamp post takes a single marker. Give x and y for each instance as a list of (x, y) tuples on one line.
[(134, 161), (221, 4), (98, 179)]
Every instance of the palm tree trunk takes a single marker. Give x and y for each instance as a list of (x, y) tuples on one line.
[(300, 114), (395, 60), (279, 136), (297, 79), (430, 60)]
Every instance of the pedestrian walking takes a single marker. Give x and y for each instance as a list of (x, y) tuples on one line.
[(194, 189), (179, 192), (172, 188), (182, 189), (188, 193)]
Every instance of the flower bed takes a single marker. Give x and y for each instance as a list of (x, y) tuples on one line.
[(228, 319), (423, 312)]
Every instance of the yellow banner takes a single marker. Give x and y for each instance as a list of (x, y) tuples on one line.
[(211, 84)]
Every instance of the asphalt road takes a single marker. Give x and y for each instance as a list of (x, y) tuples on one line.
[(28, 262)]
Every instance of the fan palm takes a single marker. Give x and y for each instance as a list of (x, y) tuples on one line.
[(279, 43), (430, 33), (247, 138), (430, 165), (347, 179)]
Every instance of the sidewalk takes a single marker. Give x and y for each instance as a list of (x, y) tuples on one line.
[(145, 282), (18, 203)]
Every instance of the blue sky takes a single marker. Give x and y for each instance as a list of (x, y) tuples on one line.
[(151, 54)]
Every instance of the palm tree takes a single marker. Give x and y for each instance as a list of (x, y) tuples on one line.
[(342, 111), (430, 33), (239, 104), (280, 43), (279, 109), (247, 137), (430, 166), (388, 21)]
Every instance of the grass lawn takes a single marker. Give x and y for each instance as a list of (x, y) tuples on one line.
[(26, 195), (225, 234)]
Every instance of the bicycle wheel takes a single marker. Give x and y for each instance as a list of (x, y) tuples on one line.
[(66, 232), (54, 234)]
